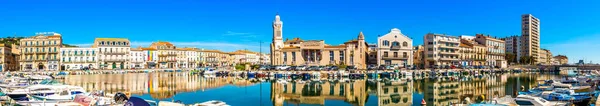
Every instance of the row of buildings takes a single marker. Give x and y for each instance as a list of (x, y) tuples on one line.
[(45, 51), (396, 49)]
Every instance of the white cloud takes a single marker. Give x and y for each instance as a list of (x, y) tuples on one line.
[(240, 34), (235, 33)]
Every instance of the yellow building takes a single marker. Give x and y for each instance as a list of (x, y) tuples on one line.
[(167, 54), (8, 60), (40, 52), (113, 53), (472, 53)]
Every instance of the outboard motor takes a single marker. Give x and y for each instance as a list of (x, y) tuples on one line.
[(120, 97)]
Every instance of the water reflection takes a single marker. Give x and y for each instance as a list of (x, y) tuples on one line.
[(317, 92), (364, 92)]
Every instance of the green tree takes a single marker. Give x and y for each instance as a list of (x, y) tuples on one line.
[(511, 58)]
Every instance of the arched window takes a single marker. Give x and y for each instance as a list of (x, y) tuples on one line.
[(404, 44), (395, 43)]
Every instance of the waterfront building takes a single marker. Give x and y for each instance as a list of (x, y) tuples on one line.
[(513, 46), (137, 56), (441, 50), (495, 50), (8, 59), (167, 54), (467, 53), (113, 53), (316, 52), (372, 54), (418, 56), (78, 58), (245, 56), (188, 57), (530, 37), (545, 57), (394, 48), (213, 57), (562, 59), (150, 58), (40, 52)]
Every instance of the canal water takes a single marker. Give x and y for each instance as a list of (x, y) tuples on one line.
[(189, 89)]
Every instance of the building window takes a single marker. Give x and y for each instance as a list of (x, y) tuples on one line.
[(341, 55), (284, 57), (395, 54), (395, 44), (385, 54), (405, 44), (293, 56), (404, 54), (331, 56)]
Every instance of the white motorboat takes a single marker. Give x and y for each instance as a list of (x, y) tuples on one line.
[(211, 103), (42, 90), (67, 93), (527, 100)]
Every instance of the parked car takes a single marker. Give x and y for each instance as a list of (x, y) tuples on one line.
[(291, 68), (313, 68), (282, 67), (265, 67), (321, 68), (372, 67), (301, 68), (333, 68), (350, 68)]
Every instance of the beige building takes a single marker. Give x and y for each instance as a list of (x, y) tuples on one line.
[(167, 54), (394, 48), (513, 46), (113, 53), (562, 59), (316, 52), (8, 60), (545, 57), (40, 52), (441, 50), (530, 39), (472, 53), (495, 50), (418, 58)]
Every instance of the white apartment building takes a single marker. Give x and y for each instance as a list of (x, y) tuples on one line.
[(495, 50), (77, 58), (530, 36), (441, 50), (113, 53), (394, 48), (137, 58), (513, 46)]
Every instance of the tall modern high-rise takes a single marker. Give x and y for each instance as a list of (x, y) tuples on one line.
[(530, 40)]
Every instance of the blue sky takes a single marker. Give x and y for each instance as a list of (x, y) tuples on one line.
[(567, 27)]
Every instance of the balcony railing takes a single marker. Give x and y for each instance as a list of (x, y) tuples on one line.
[(113, 60), (395, 58), (115, 53)]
